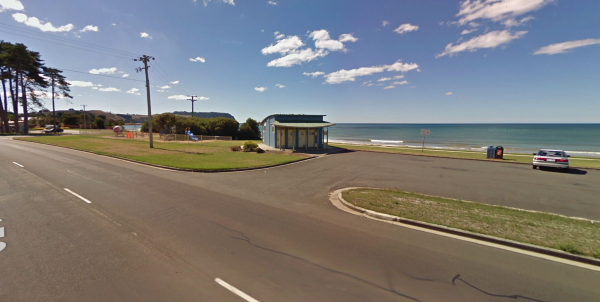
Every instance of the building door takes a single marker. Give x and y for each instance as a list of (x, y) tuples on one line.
[(280, 137), (301, 138), (312, 136), (291, 138)]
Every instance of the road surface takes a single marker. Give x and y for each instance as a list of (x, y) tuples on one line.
[(151, 234)]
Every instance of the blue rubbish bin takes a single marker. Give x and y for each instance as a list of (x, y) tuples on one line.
[(490, 151)]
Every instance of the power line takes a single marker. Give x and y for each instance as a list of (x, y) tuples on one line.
[(101, 75), (85, 44), (171, 79)]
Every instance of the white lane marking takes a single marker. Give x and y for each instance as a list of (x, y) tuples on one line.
[(235, 290), (77, 195), (18, 164)]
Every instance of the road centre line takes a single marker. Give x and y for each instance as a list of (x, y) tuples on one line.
[(235, 290), (18, 164), (77, 195)]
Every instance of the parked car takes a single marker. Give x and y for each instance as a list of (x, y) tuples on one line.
[(50, 129), (551, 158)]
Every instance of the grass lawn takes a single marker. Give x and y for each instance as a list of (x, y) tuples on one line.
[(207, 156), (576, 162), (576, 236)]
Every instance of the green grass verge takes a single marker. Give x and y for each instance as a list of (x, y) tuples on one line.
[(575, 162), (207, 156), (575, 236)]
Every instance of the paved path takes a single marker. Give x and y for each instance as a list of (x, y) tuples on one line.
[(159, 235)]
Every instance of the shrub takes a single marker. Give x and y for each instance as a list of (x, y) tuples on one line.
[(249, 130), (236, 148), (259, 150), (250, 146)]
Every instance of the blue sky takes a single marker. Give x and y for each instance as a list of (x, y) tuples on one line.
[(440, 61)]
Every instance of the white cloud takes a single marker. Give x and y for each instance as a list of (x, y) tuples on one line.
[(347, 37), (283, 46), (385, 23), (165, 87), (297, 57), (468, 31), (133, 91), (82, 84), (384, 79), (260, 89), (489, 40), (279, 85), (35, 22), (198, 59), (514, 22), (174, 82), (280, 36), (160, 90), (113, 24), (178, 97), (203, 98), (125, 75), (497, 10), (6, 5), (343, 75), (563, 47), (400, 83), (89, 28), (448, 93), (404, 28), (313, 74), (230, 2), (366, 82), (109, 89), (272, 2), (398, 77), (145, 35), (111, 70), (389, 87)]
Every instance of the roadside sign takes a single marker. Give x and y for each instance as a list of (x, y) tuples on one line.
[(424, 132)]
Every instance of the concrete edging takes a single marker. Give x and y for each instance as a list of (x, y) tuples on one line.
[(462, 233), (172, 168)]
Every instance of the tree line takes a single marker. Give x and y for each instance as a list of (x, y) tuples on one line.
[(25, 79), (218, 126)]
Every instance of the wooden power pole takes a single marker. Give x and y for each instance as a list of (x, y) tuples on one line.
[(192, 100), (144, 59)]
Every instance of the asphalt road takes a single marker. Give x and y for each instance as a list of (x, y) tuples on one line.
[(157, 235)]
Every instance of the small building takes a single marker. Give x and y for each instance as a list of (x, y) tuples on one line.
[(295, 131)]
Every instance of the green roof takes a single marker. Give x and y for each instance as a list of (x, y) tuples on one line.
[(303, 125)]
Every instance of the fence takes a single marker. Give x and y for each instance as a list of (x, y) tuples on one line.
[(144, 136)]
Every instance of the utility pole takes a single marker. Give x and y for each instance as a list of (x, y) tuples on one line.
[(192, 99), (84, 121), (145, 60)]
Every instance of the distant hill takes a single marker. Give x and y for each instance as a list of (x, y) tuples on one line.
[(205, 114)]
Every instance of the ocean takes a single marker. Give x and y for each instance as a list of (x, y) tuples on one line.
[(575, 139)]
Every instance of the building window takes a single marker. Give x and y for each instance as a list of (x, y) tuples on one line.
[(272, 128)]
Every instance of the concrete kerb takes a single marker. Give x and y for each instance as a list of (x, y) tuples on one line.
[(173, 168), (348, 207)]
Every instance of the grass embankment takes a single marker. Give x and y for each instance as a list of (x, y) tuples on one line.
[(206, 156), (576, 236), (575, 162)]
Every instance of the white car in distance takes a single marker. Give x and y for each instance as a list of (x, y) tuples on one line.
[(552, 159)]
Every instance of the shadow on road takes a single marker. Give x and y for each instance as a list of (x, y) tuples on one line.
[(570, 171)]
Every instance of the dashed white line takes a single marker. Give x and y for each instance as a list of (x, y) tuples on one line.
[(235, 290), (77, 195), (18, 164)]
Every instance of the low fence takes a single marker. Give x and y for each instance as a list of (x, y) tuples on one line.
[(157, 137)]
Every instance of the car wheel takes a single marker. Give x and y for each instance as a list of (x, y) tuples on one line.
[(534, 167)]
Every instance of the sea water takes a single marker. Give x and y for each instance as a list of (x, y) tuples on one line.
[(576, 139)]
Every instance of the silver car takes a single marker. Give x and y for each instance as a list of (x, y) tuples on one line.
[(551, 158)]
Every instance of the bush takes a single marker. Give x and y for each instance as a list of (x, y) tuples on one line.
[(236, 148), (250, 146), (250, 130), (259, 150), (99, 123)]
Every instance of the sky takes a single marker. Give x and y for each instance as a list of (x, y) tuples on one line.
[(385, 61)]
